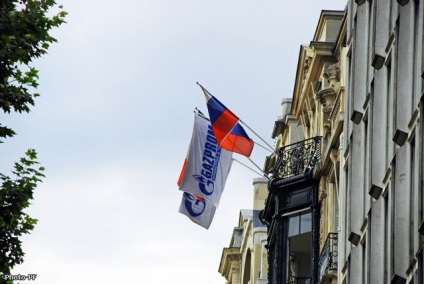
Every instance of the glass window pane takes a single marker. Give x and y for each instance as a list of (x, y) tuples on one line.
[(299, 248), (299, 263), (294, 225), (306, 223)]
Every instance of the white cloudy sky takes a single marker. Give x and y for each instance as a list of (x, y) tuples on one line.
[(114, 122)]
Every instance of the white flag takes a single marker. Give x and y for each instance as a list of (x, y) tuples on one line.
[(198, 209), (206, 167)]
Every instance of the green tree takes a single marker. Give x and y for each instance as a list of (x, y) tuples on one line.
[(24, 36), (15, 196)]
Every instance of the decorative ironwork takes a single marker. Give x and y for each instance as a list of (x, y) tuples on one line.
[(297, 158), (292, 187), (328, 257)]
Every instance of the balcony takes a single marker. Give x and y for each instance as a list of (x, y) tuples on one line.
[(298, 158), (328, 259)]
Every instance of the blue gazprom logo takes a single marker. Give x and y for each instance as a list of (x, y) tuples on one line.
[(210, 161), (194, 205)]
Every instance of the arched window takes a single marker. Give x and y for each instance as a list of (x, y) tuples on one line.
[(247, 264)]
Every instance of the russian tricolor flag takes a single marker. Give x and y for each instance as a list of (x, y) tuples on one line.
[(226, 127)]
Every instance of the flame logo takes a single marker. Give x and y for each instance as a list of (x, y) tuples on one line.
[(195, 205), (207, 187)]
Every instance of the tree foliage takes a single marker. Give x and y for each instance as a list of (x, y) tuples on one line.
[(24, 36), (25, 27), (15, 196)]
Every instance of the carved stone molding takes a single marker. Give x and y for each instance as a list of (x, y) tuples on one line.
[(234, 259), (306, 66), (327, 96), (332, 74)]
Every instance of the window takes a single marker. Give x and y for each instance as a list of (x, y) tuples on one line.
[(299, 248)]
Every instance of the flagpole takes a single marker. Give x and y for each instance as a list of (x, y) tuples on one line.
[(203, 88), (197, 111), (264, 175), (263, 147), (258, 168), (257, 135), (272, 148)]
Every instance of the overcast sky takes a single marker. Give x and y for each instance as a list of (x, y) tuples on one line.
[(114, 121)]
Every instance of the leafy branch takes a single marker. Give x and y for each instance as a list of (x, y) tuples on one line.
[(15, 196), (24, 36)]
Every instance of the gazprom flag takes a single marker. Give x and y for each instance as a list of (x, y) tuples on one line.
[(198, 209), (206, 167)]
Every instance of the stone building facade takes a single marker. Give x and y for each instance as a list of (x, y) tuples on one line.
[(302, 209), (345, 203), (244, 261), (382, 202), (359, 94)]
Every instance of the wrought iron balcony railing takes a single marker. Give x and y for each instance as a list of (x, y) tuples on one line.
[(297, 158), (328, 256)]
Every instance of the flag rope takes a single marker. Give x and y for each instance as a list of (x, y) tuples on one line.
[(263, 173), (263, 147), (257, 135)]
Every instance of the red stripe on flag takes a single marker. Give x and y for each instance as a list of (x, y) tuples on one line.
[(180, 179), (224, 124), (199, 197), (238, 144)]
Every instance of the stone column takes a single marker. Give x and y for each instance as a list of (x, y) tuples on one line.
[(377, 245), (382, 33), (360, 62), (235, 271), (401, 210), (405, 65)]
